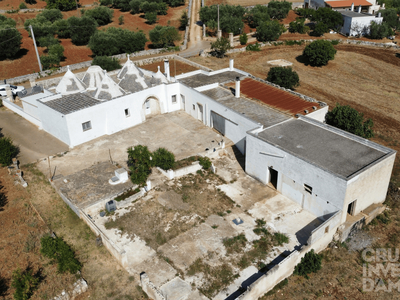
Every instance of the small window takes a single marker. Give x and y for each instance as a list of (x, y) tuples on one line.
[(194, 107), (147, 104), (173, 98), (127, 114), (308, 188), (86, 126)]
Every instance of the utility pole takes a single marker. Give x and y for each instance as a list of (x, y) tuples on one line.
[(37, 53), (218, 17)]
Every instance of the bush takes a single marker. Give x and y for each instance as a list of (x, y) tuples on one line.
[(22, 5), (24, 284), (140, 163), (102, 14), (115, 41), (7, 151), (9, 33), (298, 26), (257, 15), (220, 46), (319, 29), (350, 120), (284, 77), (50, 61), (163, 159), (269, 31), (51, 15), (243, 39), (279, 9), (80, 36), (319, 53), (310, 263), (253, 47), (47, 41), (59, 251), (379, 31), (164, 36), (121, 20), (63, 5), (106, 63), (205, 162), (184, 21), (57, 50)]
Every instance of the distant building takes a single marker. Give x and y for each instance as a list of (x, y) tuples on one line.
[(367, 6), (358, 23)]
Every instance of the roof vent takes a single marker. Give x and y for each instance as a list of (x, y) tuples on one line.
[(306, 111), (314, 108)]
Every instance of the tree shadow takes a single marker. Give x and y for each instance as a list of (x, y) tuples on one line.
[(303, 60), (397, 55), (3, 198), (1, 135), (22, 52), (3, 287), (241, 159)]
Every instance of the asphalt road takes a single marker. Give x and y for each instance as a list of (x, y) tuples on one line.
[(33, 143)]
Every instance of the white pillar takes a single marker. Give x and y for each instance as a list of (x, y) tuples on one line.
[(231, 39), (231, 64), (166, 69), (359, 9), (219, 34), (237, 87), (352, 7)]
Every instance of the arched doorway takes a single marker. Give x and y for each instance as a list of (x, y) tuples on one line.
[(151, 106)]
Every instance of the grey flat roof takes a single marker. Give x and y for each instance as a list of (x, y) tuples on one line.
[(201, 79), (331, 151), (71, 103), (252, 110), (354, 14)]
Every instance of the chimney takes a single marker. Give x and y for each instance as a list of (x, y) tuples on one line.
[(359, 9), (352, 7), (231, 64), (166, 69), (237, 87), (379, 15)]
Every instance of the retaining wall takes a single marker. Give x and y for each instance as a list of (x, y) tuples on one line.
[(324, 228), (18, 110)]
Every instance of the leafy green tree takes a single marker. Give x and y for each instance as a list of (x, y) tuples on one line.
[(22, 5), (57, 50), (269, 31), (164, 36), (140, 164), (63, 5), (319, 29), (331, 18), (50, 61), (9, 33), (51, 15), (106, 2), (135, 6), (230, 17), (348, 119), (298, 26), (123, 5), (279, 9), (151, 17), (220, 46), (390, 17), (310, 263), (257, 15), (121, 20), (102, 14), (243, 39), (46, 41), (82, 29), (184, 21), (62, 29), (319, 53), (24, 283), (40, 26), (7, 151), (306, 12), (106, 63), (379, 31), (175, 3), (60, 252), (163, 159), (284, 77), (30, 1)]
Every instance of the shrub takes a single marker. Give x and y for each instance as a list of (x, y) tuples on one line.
[(151, 17), (47, 41), (184, 21), (319, 29), (319, 53), (24, 284), (297, 26), (257, 15), (9, 33), (81, 36), (379, 31), (102, 14), (57, 50), (220, 46), (51, 15), (284, 77), (281, 238), (310, 263), (22, 5), (50, 61), (390, 17), (253, 47), (205, 162), (106, 63), (163, 158), (140, 163), (243, 39), (121, 20), (63, 5), (350, 120), (269, 31), (7, 151), (164, 36), (279, 9)]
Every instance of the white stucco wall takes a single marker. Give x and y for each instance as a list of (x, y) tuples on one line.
[(354, 26), (328, 190), (319, 114)]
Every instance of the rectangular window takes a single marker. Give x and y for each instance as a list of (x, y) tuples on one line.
[(127, 112), (173, 98), (308, 188), (194, 107), (86, 126)]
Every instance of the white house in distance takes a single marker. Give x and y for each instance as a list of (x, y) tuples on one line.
[(357, 23), (337, 176), (367, 6)]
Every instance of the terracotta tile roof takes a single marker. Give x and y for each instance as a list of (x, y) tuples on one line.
[(275, 97), (347, 3)]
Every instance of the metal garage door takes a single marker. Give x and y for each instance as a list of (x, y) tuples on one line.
[(218, 122)]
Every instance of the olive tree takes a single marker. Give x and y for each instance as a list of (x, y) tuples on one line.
[(319, 53), (284, 77)]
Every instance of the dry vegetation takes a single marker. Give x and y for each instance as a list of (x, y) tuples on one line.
[(21, 230)]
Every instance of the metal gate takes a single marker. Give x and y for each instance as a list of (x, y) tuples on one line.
[(218, 122)]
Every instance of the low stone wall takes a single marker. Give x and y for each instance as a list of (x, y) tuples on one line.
[(18, 110), (325, 228), (149, 288), (171, 174)]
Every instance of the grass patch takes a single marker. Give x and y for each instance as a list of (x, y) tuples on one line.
[(185, 162), (127, 194), (235, 244), (278, 287), (281, 238)]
